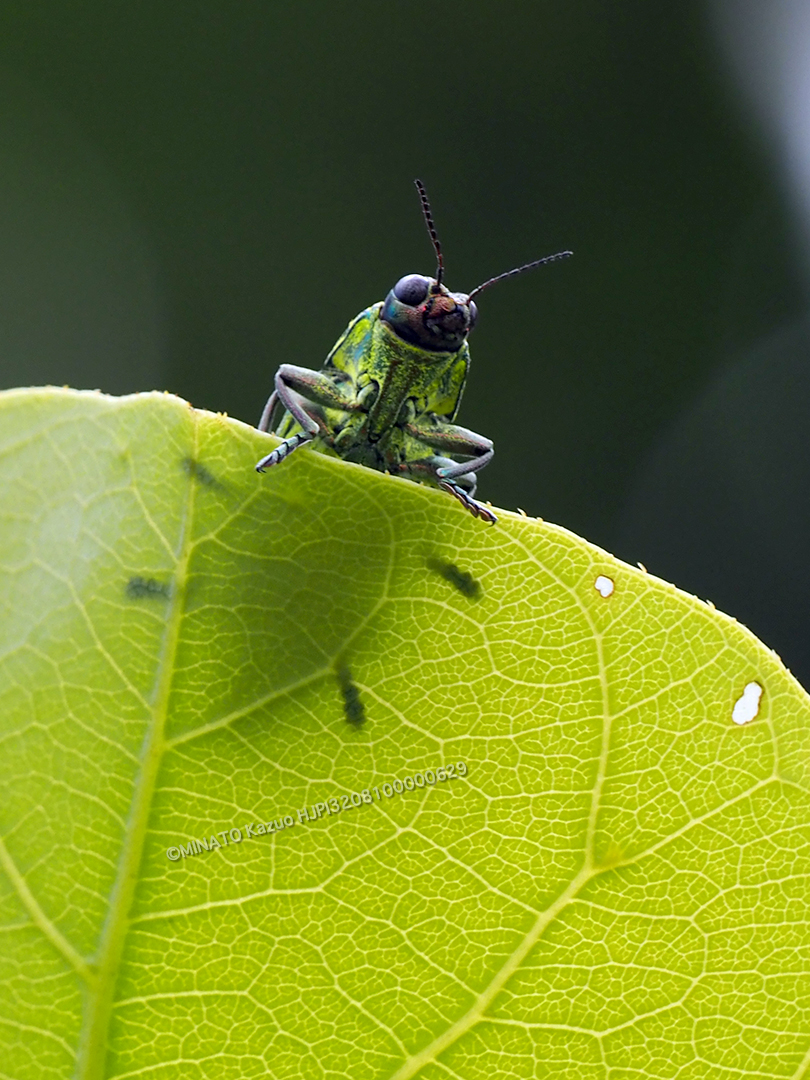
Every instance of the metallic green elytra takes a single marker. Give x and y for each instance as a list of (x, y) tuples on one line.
[(390, 389)]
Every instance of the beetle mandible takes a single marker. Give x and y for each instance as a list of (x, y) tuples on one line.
[(390, 389)]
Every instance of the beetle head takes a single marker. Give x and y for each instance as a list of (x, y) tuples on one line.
[(423, 311)]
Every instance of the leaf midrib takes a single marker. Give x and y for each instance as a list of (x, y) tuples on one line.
[(93, 1043)]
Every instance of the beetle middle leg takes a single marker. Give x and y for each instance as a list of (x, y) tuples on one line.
[(295, 388)]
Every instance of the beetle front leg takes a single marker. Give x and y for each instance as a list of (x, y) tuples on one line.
[(312, 386), (477, 509), (453, 439), (264, 423), (462, 487), (308, 422), (292, 382)]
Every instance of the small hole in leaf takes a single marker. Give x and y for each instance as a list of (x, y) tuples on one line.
[(604, 586), (746, 707)]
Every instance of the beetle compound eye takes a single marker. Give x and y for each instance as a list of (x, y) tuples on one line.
[(411, 290), (473, 313)]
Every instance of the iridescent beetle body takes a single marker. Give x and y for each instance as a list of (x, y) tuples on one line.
[(390, 389)]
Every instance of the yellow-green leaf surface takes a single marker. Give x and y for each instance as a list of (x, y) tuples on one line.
[(612, 884)]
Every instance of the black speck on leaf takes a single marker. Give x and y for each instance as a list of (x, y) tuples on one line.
[(352, 702), (199, 473), (459, 579), (139, 588)]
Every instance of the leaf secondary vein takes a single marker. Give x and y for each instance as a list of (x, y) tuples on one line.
[(41, 920), (496, 984)]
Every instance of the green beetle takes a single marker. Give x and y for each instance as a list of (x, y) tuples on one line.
[(390, 389)]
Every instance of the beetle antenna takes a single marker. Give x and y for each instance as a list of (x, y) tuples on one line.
[(519, 270), (420, 187)]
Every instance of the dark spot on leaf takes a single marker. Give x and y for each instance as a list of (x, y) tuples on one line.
[(199, 473), (138, 588), (459, 579), (352, 703)]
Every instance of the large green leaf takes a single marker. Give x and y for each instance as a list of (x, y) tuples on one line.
[(616, 888)]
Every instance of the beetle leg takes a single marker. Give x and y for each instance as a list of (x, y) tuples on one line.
[(297, 410), (291, 383), (316, 387), (284, 450), (454, 440), (477, 509), (289, 399), (462, 487), (311, 385), (272, 401)]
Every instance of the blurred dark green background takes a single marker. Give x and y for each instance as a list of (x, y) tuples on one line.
[(192, 193)]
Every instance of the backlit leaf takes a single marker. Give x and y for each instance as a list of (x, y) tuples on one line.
[(616, 887)]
